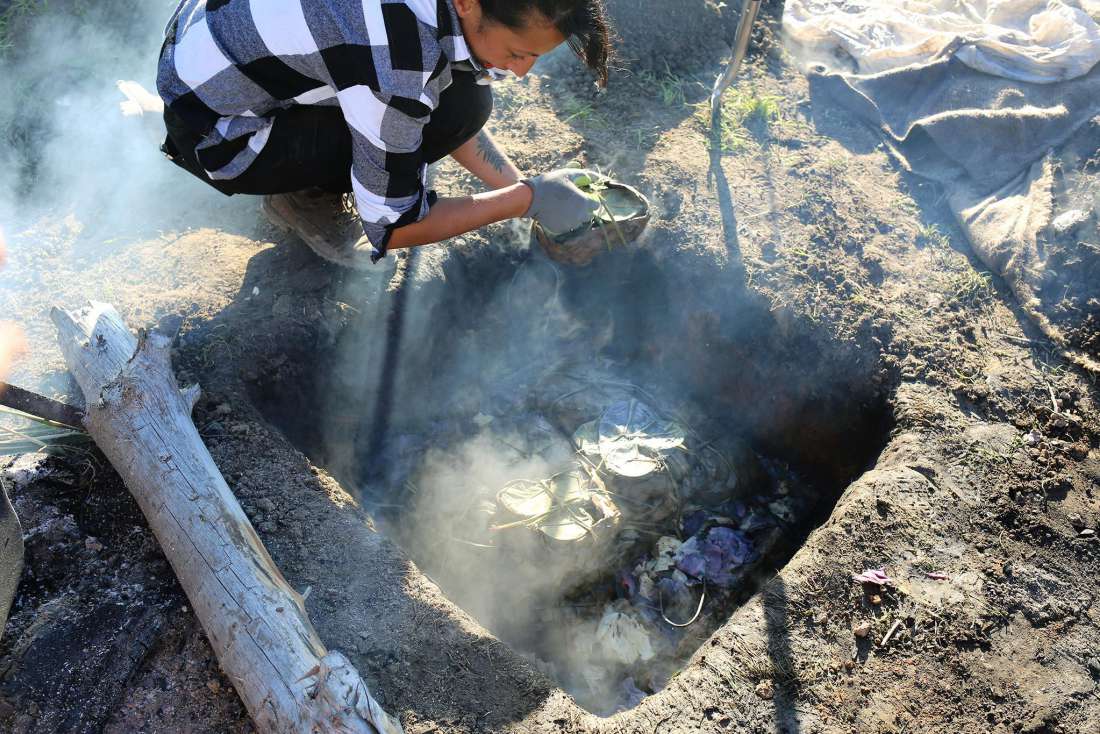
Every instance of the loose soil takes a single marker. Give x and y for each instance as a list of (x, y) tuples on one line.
[(788, 280)]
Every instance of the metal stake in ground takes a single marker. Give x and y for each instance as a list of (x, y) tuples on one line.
[(40, 406), (749, 9)]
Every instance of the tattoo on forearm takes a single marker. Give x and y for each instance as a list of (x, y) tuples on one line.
[(489, 152)]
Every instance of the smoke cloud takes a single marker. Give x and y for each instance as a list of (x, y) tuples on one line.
[(67, 150)]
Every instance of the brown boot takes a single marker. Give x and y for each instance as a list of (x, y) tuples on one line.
[(328, 223)]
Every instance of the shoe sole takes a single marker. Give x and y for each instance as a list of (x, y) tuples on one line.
[(273, 216), (281, 223)]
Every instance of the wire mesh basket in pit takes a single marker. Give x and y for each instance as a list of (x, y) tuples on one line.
[(621, 219)]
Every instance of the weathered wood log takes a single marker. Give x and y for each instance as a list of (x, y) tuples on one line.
[(256, 623)]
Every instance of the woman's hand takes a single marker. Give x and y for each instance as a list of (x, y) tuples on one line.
[(557, 204)]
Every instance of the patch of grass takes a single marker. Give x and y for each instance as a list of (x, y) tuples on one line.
[(747, 108), (969, 287), (740, 111), (671, 89), (10, 18), (582, 112), (930, 236), (943, 255), (575, 110), (985, 455)]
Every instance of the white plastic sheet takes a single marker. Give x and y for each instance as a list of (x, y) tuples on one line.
[(1039, 41)]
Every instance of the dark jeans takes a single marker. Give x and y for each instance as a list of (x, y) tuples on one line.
[(310, 146)]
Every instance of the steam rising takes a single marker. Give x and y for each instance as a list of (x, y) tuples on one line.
[(500, 362), (454, 384), (68, 152)]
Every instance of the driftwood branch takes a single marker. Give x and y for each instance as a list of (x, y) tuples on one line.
[(40, 406), (256, 623)]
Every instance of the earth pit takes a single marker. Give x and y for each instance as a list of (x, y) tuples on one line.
[(596, 463)]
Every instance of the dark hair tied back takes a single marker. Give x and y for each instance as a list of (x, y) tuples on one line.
[(583, 23)]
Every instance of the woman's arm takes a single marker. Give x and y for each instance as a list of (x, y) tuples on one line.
[(481, 156), (455, 216)]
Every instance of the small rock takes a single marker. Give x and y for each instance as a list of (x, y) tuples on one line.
[(765, 689), (876, 599), (1077, 522), (1087, 533), (862, 629), (1094, 667), (26, 470), (1068, 221), (265, 504)]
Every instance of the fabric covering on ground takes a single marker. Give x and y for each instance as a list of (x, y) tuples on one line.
[(1027, 40), (998, 145)]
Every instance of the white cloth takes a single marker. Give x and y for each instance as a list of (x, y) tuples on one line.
[(1038, 41)]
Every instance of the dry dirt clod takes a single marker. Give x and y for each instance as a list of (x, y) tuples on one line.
[(765, 689), (862, 629), (876, 599)]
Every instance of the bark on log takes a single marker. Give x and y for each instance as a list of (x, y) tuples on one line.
[(256, 623)]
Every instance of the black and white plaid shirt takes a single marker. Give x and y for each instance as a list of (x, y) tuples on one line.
[(228, 64)]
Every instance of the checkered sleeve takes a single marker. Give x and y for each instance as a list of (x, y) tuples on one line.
[(387, 89), (388, 174), (228, 64)]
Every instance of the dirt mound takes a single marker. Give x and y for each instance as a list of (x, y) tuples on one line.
[(655, 34), (685, 36)]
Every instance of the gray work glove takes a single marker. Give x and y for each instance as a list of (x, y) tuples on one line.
[(557, 204)]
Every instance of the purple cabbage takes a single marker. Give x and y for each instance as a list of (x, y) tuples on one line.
[(715, 556)]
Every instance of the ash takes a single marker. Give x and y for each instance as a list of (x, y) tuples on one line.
[(595, 529)]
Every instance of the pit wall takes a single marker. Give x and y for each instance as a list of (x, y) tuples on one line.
[(798, 392)]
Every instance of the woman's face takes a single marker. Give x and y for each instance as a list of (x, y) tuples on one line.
[(496, 46)]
